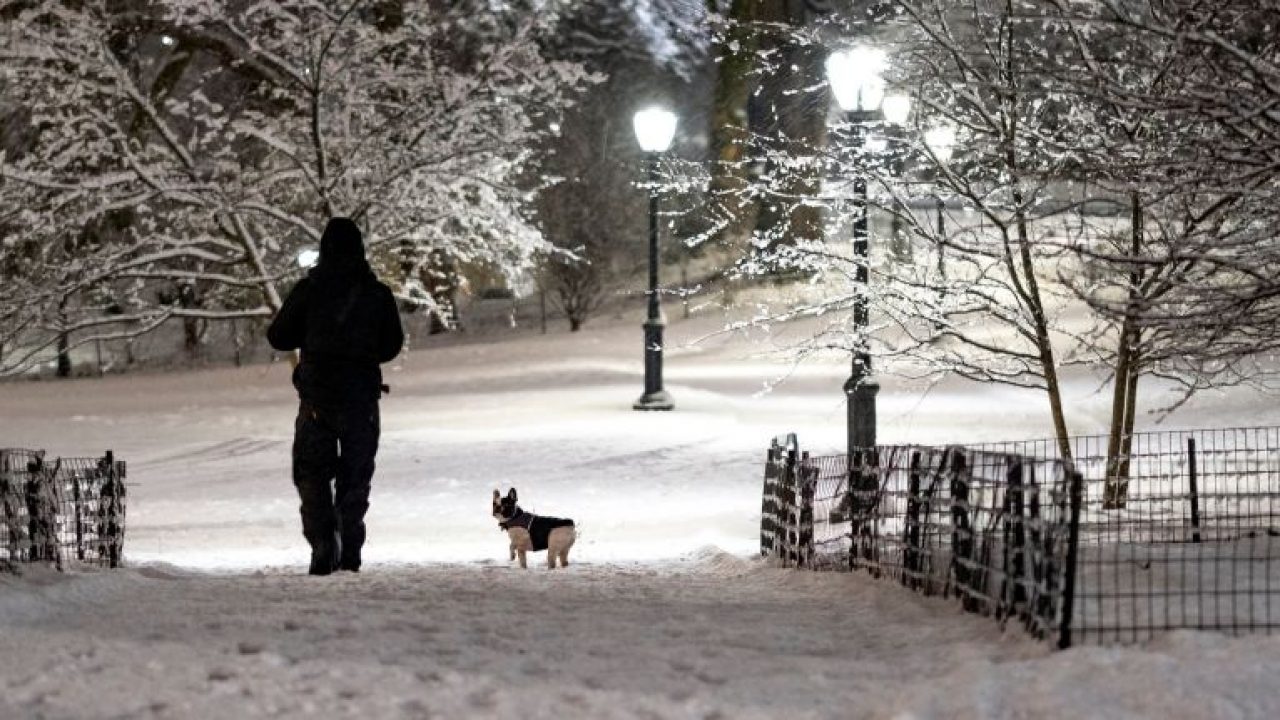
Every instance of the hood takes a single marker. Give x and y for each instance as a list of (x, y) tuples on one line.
[(342, 247)]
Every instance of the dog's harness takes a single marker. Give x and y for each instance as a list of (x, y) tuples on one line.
[(521, 519), (539, 528)]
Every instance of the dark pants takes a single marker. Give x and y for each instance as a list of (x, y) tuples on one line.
[(333, 450)]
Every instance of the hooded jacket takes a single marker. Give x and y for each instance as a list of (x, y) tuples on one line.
[(344, 321)]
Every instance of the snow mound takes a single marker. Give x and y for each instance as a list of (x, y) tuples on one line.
[(714, 561)]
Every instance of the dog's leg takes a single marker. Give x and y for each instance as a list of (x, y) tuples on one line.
[(520, 544), (558, 545)]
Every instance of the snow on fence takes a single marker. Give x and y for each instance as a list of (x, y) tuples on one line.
[(1191, 539), (989, 528), (69, 510)]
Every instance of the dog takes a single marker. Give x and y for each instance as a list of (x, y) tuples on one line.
[(533, 533)]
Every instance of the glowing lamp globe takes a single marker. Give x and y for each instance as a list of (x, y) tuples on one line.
[(941, 141), (655, 128), (855, 77), (896, 109)]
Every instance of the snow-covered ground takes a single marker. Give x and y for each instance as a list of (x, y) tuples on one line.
[(665, 613)]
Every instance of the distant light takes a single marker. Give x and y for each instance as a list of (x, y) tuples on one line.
[(555, 128), (167, 40), (655, 128), (941, 140), (308, 258), (896, 108)]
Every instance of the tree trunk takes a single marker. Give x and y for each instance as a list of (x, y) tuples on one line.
[(1023, 274), (1125, 402), (64, 355), (1043, 340), (64, 343), (793, 109), (192, 332), (1130, 414), (728, 211), (237, 342), (1024, 277), (1113, 495)]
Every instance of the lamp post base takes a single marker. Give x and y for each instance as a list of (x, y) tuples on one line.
[(655, 397), (660, 400), (861, 393)]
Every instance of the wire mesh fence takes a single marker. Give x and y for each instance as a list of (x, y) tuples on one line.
[(989, 528), (67, 510), (1180, 531)]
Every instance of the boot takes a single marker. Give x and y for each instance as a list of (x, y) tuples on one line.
[(350, 555), (324, 557)]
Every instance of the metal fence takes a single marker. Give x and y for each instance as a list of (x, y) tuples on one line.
[(991, 529), (1194, 543), (1183, 531), (67, 510)]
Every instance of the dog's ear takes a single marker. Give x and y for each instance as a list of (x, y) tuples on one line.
[(512, 494), (497, 494)]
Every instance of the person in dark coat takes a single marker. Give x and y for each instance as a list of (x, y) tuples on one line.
[(346, 323)]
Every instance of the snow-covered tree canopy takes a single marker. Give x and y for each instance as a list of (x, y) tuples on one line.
[(200, 145), (1109, 199)]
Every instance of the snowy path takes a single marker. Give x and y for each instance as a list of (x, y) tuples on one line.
[(711, 636), (663, 615)]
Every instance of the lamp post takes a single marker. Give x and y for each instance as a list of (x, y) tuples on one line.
[(654, 130), (941, 140), (859, 88)]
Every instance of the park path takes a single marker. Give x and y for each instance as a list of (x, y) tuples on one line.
[(708, 636)]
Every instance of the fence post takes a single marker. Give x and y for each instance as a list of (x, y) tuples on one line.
[(788, 509), (1015, 539), (805, 479), (773, 511), (10, 502), (78, 506), (769, 501), (1039, 553), (42, 511), (864, 501), (1075, 491), (961, 532), (857, 515), (911, 539), (1195, 494), (112, 496)]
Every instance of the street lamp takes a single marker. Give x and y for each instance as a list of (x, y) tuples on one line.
[(858, 85), (655, 128), (941, 140)]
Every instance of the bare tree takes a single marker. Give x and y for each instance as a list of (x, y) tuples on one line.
[(1058, 108), (1186, 289)]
